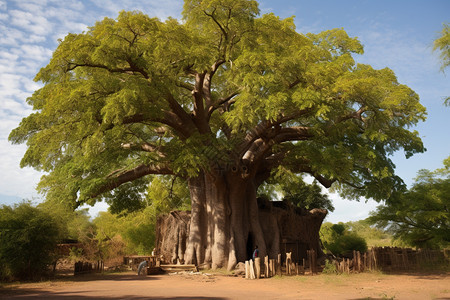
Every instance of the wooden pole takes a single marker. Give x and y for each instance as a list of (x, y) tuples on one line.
[(279, 265), (252, 270), (270, 267), (266, 266), (247, 273), (258, 267), (288, 263)]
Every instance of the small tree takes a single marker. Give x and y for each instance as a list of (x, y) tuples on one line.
[(420, 217), (28, 238)]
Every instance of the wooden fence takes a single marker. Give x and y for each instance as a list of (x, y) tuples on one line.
[(389, 259), (392, 259), (273, 267), (88, 267)]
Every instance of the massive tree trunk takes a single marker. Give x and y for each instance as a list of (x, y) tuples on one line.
[(227, 222), (224, 215)]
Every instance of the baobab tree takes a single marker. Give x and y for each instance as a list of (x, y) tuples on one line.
[(223, 98)]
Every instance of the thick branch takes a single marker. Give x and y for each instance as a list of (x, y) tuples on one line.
[(225, 102), (134, 69), (144, 147), (116, 179), (298, 133), (200, 116), (181, 114)]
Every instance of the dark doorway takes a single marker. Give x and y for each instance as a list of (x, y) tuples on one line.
[(250, 245)]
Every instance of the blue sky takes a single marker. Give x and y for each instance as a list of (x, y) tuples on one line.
[(395, 34)]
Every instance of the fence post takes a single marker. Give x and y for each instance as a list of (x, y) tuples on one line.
[(247, 273), (266, 266), (288, 263), (279, 265), (258, 267)]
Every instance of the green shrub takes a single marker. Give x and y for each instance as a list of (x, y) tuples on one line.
[(339, 241), (330, 267), (28, 238)]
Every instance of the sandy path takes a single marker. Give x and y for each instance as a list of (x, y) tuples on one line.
[(130, 286)]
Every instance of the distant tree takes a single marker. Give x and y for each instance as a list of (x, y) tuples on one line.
[(28, 238), (221, 99), (420, 216), (374, 236), (338, 240)]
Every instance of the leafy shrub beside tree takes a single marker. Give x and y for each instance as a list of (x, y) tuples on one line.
[(28, 238)]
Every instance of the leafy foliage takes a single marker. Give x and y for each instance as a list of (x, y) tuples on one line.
[(374, 236), (420, 216), (443, 44), (338, 240), (28, 238), (292, 188), (135, 96)]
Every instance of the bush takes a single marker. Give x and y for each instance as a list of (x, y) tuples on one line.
[(330, 267), (28, 238), (339, 241)]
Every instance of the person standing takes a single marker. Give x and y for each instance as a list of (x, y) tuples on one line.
[(255, 252)]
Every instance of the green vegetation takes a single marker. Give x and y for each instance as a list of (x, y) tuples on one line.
[(442, 44), (222, 99), (374, 236), (420, 217), (28, 237), (338, 240), (329, 268), (292, 188)]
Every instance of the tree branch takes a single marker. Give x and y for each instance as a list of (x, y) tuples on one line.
[(117, 178), (134, 69), (293, 134)]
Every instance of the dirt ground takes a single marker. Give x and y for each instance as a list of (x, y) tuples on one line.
[(208, 286)]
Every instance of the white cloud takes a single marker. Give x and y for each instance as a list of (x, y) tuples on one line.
[(346, 210), (15, 181)]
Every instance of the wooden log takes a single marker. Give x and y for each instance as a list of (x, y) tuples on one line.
[(288, 263), (270, 268), (375, 264), (279, 265), (312, 261), (252, 270), (405, 259), (247, 272), (293, 269), (258, 267), (266, 266), (360, 269)]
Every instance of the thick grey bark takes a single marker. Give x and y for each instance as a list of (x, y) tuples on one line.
[(226, 221)]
